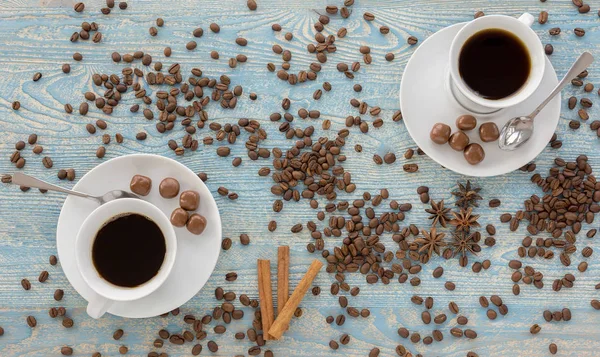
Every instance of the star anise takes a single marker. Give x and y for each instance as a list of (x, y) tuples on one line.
[(431, 242), (464, 220), (466, 195), (438, 213), (464, 243)]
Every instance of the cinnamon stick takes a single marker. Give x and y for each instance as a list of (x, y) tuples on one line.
[(265, 294), (283, 276), (283, 319)]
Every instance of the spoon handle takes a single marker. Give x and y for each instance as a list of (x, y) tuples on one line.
[(29, 181), (579, 66)]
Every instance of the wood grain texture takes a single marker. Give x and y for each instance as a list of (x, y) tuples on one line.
[(35, 37)]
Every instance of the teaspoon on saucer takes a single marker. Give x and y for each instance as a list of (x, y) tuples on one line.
[(519, 129), (29, 181)]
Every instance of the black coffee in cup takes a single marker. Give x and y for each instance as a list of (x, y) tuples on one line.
[(494, 63), (129, 250)]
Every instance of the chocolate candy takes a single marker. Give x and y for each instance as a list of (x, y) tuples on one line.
[(179, 217), (474, 154), (489, 132), (466, 122), (189, 200), (458, 141), (140, 185), (440, 133), (196, 223), (169, 188)]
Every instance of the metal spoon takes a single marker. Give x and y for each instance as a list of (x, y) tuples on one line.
[(29, 181), (518, 130)]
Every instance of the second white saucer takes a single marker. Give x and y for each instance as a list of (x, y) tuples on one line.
[(426, 99)]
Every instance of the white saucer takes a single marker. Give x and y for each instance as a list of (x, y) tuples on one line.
[(196, 255), (426, 99)]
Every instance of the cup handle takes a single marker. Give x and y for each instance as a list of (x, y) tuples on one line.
[(97, 306), (527, 19)]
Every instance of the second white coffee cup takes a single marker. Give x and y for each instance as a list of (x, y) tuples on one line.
[(521, 28), (107, 293)]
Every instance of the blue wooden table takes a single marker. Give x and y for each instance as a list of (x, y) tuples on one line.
[(34, 36)]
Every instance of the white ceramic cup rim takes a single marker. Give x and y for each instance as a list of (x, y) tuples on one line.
[(87, 234), (523, 31)]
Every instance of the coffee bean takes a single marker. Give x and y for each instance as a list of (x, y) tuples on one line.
[(37, 76), (548, 49), (554, 31), (43, 276), (141, 136), (586, 102), (58, 294), (333, 345), (535, 329), (595, 304), (67, 322), (251, 5), (389, 158), (31, 321), (478, 14), (579, 32), (515, 264), (212, 346), (32, 139), (47, 162), (438, 272), (368, 16), (345, 339), (191, 45), (123, 350), (214, 27), (470, 334), (223, 151), (543, 17), (66, 351), (572, 102), (25, 284), (78, 7), (585, 8), (83, 108), (553, 348)]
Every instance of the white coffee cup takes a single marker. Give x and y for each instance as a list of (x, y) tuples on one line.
[(107, 293), (521, 28)]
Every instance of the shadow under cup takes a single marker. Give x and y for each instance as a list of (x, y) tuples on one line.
[(95, 243), (498, 53)]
